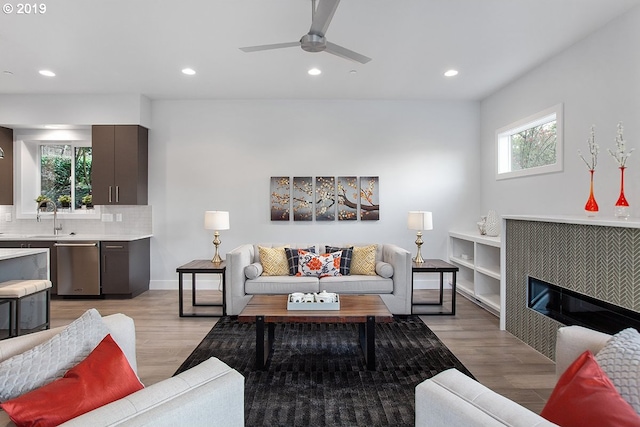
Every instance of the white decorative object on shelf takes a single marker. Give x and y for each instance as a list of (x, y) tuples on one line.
[(492, 227), (482, 225)]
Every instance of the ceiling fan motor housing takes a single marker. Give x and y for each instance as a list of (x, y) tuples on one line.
[(313, 43)]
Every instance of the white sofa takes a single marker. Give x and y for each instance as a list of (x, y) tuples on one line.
[(209, 394), (453, 399), (394, 291)]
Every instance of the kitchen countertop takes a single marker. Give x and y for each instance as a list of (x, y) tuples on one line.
[(75, 237), (17, 253)]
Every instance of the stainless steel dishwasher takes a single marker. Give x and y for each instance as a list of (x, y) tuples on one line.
[(78, 268)]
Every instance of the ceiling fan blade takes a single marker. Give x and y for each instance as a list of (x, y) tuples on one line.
[(269, 46), (342, 52), (322, 16)]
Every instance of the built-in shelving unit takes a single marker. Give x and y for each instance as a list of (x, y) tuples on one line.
[(478, 258)]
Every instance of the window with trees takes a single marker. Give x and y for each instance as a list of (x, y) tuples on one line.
[(530, 146), (65, 175)]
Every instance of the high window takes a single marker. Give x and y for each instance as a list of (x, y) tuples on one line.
[(530, 146)]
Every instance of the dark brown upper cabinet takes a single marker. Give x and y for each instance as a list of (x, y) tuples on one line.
[(120, 164), (6, 167)]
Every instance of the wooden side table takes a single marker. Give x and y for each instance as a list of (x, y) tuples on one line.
[(441, 267), (201, 266)]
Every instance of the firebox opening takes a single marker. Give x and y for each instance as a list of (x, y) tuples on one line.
[(571, 308)]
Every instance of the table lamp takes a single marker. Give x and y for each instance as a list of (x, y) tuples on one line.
[(419, 220), (216, 220)]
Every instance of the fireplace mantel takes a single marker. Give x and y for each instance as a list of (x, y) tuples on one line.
[(598, 257), (606, 221)]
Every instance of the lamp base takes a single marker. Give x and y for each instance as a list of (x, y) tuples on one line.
[(216, 242), (418, 259)]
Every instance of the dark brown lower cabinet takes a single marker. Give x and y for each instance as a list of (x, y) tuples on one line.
[(125, 268)]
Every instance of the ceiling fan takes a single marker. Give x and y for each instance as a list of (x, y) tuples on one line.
[(314, 40)]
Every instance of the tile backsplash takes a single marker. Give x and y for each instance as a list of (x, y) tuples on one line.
[(136, 220)]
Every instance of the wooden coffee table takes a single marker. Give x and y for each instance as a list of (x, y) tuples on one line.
[(365, 310)]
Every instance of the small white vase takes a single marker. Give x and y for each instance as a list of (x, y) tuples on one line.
[(492, 226)]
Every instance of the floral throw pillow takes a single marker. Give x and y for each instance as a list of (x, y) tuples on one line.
[(292, 259), (324, 265)]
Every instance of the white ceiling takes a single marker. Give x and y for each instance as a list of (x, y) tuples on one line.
[(140, 46)]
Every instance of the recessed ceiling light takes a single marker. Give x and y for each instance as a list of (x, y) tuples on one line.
[(314, 72), (188, 71), (451, 73), (47, 73), (353, 72)]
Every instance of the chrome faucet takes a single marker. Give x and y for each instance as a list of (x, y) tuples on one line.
[(56, 227)]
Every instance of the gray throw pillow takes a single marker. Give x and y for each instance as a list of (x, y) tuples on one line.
[(384, 269), (620, 360), (50, 360), (253, 271)]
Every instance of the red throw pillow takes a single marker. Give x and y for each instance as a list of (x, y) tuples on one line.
[(103, 377), (585, 396)]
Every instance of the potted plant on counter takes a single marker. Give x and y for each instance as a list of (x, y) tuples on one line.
[(42, 198), (65, 201), (88, 201)]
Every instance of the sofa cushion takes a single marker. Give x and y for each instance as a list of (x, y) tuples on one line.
[(620, 360), (253, 270), (345, 258), (50, 360), (103, 377), (584, 395), (357, 284), (278, 285), (292, 258), (274, 261), (451, 398), (384, 269), (364, 260), (210, 393), (323, 265)]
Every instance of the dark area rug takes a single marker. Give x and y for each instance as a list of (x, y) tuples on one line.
[(316, 374)]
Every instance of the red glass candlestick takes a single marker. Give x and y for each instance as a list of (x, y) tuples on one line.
[(622, 206), (591, 208)]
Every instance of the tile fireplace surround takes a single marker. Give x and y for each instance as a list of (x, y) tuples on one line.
[(597, 257)]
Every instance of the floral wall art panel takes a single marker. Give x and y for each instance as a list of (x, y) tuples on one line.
[(325, 198), (302, 198), (369, 198), (280, 198), (347, 198)]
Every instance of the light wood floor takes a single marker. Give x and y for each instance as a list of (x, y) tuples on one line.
[(496, 358)]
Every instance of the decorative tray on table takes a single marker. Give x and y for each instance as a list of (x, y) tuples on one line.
[(322, 301)]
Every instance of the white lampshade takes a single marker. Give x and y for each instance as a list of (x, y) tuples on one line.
[(420, 220), (216, 220)]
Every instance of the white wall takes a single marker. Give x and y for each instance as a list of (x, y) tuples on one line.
[(219, 155), (598, 80), (26, 110)]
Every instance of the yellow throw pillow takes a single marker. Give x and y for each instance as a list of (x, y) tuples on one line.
[(274, 261), (364, 260)]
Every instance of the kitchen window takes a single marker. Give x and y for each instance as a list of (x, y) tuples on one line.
[(530, 146), (65, 172), (53, 164)]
